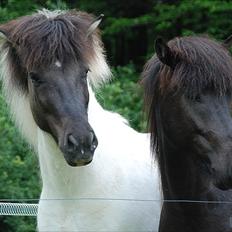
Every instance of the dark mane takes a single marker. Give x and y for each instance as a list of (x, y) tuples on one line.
[(203, 65), (38, 40)]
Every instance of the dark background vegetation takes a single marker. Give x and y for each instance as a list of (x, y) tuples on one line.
[(128, 30)]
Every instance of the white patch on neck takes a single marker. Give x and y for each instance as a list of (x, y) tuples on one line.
[(18, 102), (50, 14), (58, 64)]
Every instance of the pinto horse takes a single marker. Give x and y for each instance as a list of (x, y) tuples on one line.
[(49, 62), (188, 93)]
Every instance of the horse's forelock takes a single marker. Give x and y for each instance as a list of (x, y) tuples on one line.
[(45, 37), (51, 14), (40, 40), (204, 65)]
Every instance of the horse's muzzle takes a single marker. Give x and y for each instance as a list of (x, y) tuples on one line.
[(79, 151), (78, 160)]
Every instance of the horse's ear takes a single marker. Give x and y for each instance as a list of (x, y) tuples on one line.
[(164, 53), (227, 43), (3, 36), (93, 26)]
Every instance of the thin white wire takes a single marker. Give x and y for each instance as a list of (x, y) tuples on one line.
[(113, 199), (29, 209)]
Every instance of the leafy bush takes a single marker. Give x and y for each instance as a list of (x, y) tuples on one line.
[(129, 30), (19, 172), (124, 95)]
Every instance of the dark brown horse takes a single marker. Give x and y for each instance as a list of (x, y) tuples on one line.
[(188, 87)]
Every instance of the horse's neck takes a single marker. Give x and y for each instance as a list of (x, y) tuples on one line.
[(182, 180), (119, 150), (181, 176), (56, 173)]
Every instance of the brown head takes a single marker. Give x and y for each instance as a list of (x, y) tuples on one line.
[(188, 87), (50, 55)]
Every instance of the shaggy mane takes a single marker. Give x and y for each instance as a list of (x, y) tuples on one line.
[(43, 38), (204, 65)]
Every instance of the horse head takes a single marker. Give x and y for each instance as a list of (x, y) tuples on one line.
[(188, 87), (52, 57)]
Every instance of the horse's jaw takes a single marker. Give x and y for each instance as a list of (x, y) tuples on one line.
[(59, 179), (58, 176)]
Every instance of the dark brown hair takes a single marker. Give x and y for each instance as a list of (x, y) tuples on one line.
[(201, 64), (37, 41)]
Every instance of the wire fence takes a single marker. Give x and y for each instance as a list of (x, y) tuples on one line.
[(19, 207)]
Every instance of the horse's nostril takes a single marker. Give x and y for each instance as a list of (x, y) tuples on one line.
[(93, 147), (82, 144), (72, 142), (92, 136), (94, 142)]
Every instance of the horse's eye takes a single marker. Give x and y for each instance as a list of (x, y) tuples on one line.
[(84, 76), (87, 71), (35, 79), (197, 98)]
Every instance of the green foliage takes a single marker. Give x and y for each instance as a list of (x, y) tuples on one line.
[(124, 95), (19, 172), (15, 9), (129, 30), (193, 17), (186, 17)]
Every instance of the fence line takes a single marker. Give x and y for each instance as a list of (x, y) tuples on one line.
[(18, 209), (113, 199), (13, 207)]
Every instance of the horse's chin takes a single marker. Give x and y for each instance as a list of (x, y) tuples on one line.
[(78, 162), (225, 185)]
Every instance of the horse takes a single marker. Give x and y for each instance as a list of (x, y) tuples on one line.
[(187, 94), (97, 172)]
